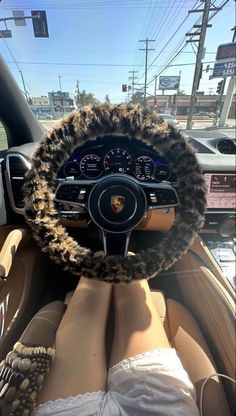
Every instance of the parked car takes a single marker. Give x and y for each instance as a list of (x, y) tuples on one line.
[(171, 120), (204, 114)]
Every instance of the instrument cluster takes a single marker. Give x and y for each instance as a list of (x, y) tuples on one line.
[(128, 157)]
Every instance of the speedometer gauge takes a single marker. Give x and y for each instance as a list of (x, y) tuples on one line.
[(163, 172), (118, 161), (72, 169), (144, 168), (91, 166)]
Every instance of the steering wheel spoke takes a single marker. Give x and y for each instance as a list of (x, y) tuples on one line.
[(161, 195), (115, 243)]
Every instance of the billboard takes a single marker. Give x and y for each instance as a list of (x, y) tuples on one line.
[(169, 83), (225, 65), (224, 69), (226, 51)]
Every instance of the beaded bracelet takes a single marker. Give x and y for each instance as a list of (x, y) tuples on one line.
[(21, 377)]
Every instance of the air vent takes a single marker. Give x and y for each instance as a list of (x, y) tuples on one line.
[(226, 146), (17, 166)]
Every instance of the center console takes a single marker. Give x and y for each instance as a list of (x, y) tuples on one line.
[(219, 231)]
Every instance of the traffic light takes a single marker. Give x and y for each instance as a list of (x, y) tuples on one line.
[(219, 87), (40, 25), (124, 88)]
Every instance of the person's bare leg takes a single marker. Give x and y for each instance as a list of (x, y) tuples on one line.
[(80, 365), (138, 327)]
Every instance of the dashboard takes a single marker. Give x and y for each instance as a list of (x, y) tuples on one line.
[(121, 155)]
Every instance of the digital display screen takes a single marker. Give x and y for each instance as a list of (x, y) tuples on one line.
[(221, 192)]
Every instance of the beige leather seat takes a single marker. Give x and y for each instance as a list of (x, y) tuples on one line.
[(186, 337), (21, 270)]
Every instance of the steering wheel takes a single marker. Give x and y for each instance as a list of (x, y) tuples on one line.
[(116, 202)]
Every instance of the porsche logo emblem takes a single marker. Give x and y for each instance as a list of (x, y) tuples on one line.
[(117, 203)]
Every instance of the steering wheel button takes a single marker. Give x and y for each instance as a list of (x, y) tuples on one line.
[(81, 195), (153, 198)]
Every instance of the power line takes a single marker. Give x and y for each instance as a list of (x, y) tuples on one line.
[(167, 43), (125, 4), (183, 44), (73, 64)]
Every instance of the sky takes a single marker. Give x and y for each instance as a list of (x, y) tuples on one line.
[(96, 42)]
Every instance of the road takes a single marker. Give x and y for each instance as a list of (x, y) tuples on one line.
[(199, 124)]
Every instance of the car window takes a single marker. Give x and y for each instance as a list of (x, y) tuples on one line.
[(3, 138), (67, 55)]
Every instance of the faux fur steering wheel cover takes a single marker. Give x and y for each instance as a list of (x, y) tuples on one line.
[(56, 148)]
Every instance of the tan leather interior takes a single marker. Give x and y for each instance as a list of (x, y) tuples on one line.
[(158, 220), (9, 249), (200, 248), (43, 326), (196, 358), (21, 292), (214, 309), (155, 220)]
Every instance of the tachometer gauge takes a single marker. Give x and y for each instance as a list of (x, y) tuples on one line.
[(144, 168), (91, 166), (163, 172), (72, 169), (118, 161)]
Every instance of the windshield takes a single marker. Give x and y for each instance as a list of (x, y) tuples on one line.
[(159, 54)]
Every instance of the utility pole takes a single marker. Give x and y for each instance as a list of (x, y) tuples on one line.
[(133, 77), (59, 77), (155, 92), (198, 66), (178, 90), (146, 49), (24, 87)]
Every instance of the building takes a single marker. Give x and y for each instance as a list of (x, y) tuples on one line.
[(40, 105), (61, 102), (179, 104)]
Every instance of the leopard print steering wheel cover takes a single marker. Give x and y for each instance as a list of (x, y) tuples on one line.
[(57, 146)]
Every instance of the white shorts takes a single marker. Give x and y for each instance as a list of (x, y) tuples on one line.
[(149, 384)]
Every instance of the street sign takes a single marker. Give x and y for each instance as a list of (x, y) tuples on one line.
[(59, 95), (200, 93), (224, 69), (226, 51), (5, 34), (19, 17), (169, 83)]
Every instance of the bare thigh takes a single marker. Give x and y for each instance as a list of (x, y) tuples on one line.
[(138, 327), (80, 364)]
